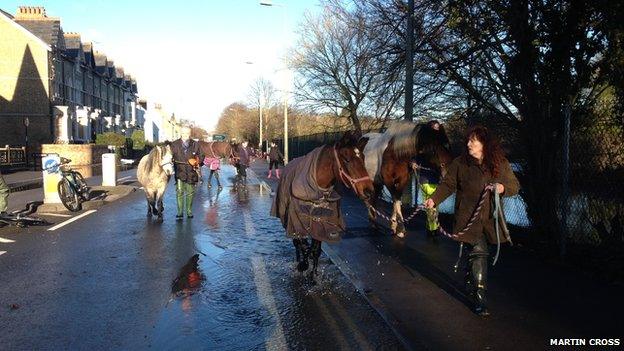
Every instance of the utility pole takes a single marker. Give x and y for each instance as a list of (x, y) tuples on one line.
[(409, 62)]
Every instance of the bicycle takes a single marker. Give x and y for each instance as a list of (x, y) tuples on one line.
[(72, 188), (22, 218)]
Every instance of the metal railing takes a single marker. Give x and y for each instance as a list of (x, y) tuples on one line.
[(12, 156)]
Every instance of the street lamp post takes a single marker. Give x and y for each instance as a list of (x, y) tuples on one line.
[(26, 124), (269, 3), (260, 139)]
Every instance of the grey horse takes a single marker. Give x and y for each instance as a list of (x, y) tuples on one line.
[(153, 173)]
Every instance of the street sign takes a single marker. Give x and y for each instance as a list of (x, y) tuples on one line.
[(50, 164), (218, 137)]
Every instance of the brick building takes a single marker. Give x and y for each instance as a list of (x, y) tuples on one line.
[(66, 89)]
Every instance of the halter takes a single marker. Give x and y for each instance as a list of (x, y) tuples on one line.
[(162, 164), (344, 175)]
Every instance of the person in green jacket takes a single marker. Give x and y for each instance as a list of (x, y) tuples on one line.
[(482, 163)]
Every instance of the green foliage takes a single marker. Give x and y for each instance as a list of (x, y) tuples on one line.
[(110, 138), (138, 140)]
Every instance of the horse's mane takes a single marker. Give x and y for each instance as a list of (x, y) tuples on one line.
[(404, 140), (153, 158)]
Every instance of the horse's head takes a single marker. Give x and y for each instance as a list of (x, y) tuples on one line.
[(166, 158), (350, 163), (233, 151), (433, 144)]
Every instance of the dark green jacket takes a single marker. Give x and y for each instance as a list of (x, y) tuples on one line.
[(467, 178), (183, 170)]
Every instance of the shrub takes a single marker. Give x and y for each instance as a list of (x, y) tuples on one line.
[(138, 140)]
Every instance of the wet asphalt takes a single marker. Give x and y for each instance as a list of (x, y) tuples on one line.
[(223, 280)]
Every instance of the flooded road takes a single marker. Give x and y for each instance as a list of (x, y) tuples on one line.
[(250, 296), (223, 280)]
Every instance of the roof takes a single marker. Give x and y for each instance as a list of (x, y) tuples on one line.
[(87, 50), (73, 45), (35, 20), (10, 19)]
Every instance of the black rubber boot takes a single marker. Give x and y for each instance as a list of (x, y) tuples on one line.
[(478, 267)]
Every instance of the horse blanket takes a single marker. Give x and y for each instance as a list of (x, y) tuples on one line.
[(304, 208)]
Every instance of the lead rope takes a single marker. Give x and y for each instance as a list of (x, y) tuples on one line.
[(495, 214)]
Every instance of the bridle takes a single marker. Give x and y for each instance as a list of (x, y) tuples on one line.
[(163, 164), (347, 180)]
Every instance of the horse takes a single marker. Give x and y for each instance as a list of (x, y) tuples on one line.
[(153, 173), (306, 202), (216, 149), (387, 157)]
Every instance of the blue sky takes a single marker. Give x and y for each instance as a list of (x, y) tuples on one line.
[(188, 55)]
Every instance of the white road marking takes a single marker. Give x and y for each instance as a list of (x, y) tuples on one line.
[(2, 253), (249, 228), (62, 224), (54, 214), (276, 340), (124, 178), (3, 240)]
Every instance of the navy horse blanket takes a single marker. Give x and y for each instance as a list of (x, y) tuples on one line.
[(304, 208)]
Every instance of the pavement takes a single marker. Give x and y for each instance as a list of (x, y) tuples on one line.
[(411, 283), (26, 187), (23, 180)]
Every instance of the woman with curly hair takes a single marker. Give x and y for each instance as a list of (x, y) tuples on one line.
[(482, 163)]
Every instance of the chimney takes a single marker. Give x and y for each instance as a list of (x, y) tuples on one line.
[(30, 13)]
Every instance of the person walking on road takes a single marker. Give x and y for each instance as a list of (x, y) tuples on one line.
[(214, 165), (275, 158), (186, 154), (482, 163), (4, 195), (244, 155), (428, 178)]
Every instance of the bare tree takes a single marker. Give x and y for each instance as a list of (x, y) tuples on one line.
[(338, 68)]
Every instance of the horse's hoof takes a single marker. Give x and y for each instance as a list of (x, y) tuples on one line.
[(303, 266), (159, 219), (400, 235)]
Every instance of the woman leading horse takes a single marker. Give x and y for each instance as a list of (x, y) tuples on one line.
[(482, 163)]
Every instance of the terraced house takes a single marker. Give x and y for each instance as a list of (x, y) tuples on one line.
[(55, 88)]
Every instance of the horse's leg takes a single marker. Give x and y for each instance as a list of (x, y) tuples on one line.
[(297, 244), (316, 253), (393, 217), (149, 205), (159, 199), (400, 219), (304, 250)]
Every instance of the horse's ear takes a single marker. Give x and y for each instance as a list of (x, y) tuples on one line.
[(361, 143), (348, 138)]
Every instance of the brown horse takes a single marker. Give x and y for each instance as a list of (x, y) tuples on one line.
[(308, 205), (216, 149), (388, 157)]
